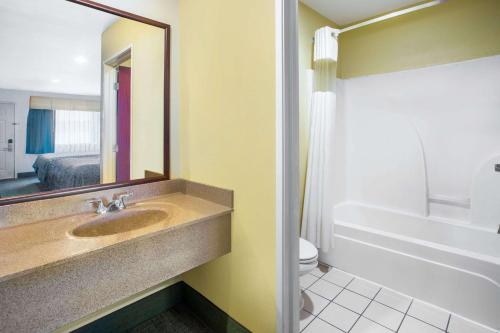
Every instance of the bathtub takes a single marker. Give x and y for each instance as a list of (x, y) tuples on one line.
[(455, 266)]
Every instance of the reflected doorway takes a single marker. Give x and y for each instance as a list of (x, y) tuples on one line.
[(123, 123)]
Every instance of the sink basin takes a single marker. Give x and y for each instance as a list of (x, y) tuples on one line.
[(122, 221)]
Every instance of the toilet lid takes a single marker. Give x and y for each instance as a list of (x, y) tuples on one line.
[(307, 251)]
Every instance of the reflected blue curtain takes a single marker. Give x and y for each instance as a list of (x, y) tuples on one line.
[(40, 132)]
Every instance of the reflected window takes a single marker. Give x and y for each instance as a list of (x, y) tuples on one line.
[(77, 131)]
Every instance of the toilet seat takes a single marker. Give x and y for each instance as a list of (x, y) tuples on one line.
[(307, 252), (308, 260), (308, 257), (315, 259)]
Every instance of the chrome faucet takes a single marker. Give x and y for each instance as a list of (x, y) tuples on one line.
[(101, 209), (119, 202), (113, 205)]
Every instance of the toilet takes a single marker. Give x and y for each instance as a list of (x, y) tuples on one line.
[(308, 257), (308, 260)]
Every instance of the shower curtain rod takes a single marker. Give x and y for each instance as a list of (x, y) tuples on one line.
[(336, 32)]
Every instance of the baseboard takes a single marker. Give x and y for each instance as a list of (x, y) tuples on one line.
[(26, 174), (134, 314), (215, 318)]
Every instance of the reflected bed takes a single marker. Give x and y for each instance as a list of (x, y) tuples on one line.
[(63, 171)]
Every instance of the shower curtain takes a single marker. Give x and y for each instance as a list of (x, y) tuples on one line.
[(317, 215)]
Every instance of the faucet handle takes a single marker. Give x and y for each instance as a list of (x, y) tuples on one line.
[(101, 209), (121, 199)]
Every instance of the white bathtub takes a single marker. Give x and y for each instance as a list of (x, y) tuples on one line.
[(452, 265)]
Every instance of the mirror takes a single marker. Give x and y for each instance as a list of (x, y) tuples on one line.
[(83, 97)]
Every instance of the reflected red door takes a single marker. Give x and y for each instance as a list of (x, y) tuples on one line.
[(123, 125)]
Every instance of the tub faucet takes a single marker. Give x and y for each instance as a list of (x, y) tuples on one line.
[(113, 205)]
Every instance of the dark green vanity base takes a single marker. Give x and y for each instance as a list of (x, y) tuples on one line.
[(215, 318), (179, 319), (178, 308)]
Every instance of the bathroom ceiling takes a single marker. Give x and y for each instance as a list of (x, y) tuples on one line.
[(344, 12), (53, 46)]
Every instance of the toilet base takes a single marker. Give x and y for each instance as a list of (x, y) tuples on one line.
[(307, 268)]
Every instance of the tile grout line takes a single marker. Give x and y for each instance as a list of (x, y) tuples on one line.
[(352, 291), (318, 276), (317, 279), (309, 323), (382, 287), (406, 314), (315, 316), (379, 324), (361, 315), (331, 301), (390, 307), (345, 288), (448, 323), (330, 323), (379, 286), (423, 321), (365, 295), (371, 301), (323, 274), (302, 290)]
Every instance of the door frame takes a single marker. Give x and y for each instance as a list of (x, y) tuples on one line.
[(109, 106), (287, 167), (14, 124)]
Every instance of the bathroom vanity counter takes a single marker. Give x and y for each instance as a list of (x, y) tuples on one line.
[(28, 247), (59, 264)]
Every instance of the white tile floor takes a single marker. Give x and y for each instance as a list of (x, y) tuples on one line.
[(336, 301)]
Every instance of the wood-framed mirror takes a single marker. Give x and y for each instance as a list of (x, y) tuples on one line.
[(84, 99)]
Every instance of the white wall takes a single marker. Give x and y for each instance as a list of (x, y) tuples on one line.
[(166, 11), (21, 99), (485, 206), (385, 163), (452, 111)]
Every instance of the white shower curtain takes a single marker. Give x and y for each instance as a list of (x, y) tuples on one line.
[(317, 215)]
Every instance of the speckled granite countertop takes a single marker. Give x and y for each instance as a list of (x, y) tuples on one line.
[(29, 247)]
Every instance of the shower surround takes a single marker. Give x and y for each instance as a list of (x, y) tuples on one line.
[(415, 185)]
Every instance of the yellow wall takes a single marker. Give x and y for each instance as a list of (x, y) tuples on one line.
[(227, 112), (457, 30), (146, 91), (309, 22)]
